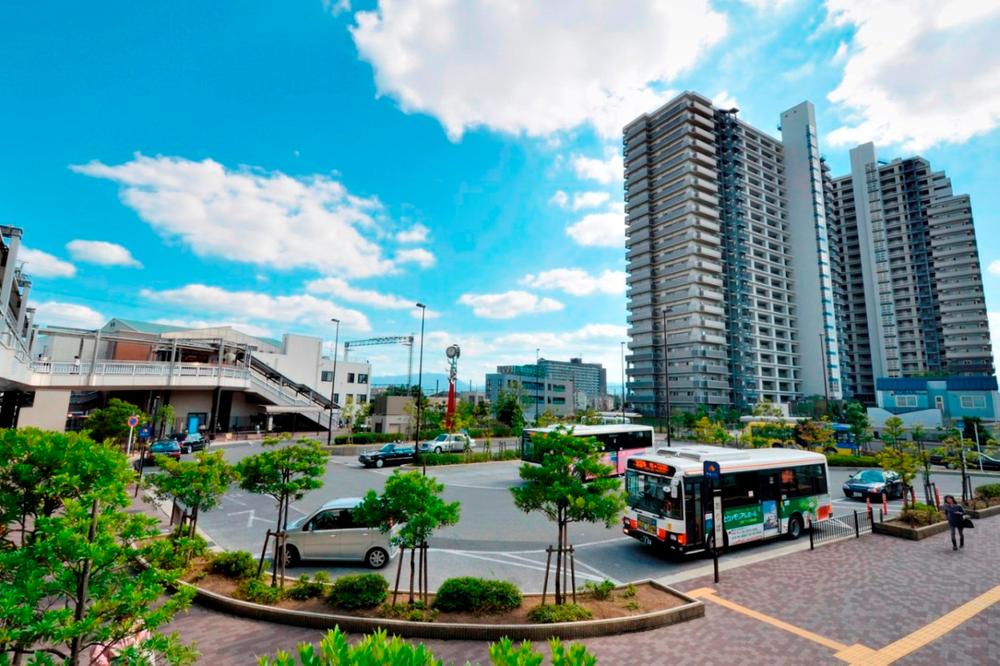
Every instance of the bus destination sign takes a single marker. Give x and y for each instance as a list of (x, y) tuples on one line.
[(650, 466)]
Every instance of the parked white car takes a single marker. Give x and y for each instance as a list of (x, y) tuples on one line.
[(455, 442), (330, 533)]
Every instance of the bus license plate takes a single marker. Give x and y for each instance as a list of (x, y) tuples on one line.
[(647, 525)]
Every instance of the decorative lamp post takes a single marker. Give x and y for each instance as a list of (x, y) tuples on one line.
[(333, 382)]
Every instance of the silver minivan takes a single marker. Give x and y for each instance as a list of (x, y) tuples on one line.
[(330, 533)]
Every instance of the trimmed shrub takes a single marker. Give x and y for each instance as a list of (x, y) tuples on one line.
[(551, 613), (436, 459), (920, 514), (257, 591), (841, 460), (304, 588), (238, 564), (478, 595), (358, 591), (600, 591), (988, 490), (371, 438)]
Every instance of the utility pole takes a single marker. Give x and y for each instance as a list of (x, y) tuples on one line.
[(420, 387), (333, 382)]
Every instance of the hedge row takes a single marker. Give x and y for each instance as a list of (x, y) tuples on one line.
[(434, 459), (843, 460)]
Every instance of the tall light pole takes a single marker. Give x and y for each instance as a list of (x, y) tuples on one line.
[(623, 381), (538, 374), (333, 381), (420, 386), (666, 375)]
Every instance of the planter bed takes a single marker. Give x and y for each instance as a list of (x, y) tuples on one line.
[(902, 530), (985, 512), (657, 606)]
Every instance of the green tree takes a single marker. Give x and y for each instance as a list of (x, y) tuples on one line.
[(893, 432), (546, 418), (40, 470), (165, 417), (816, 435), (510, 412), (856, 416), (70, 581), (901, 458), (558, 488), (198, 485), (285, 473), (767, 408), (711, 432), (958, 451), (111, 422), (589, 417), (413, 502)]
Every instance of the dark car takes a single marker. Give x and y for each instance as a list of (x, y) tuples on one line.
[(390, 454), (872, 483), (164, 447), (989, 462), (194, 441)]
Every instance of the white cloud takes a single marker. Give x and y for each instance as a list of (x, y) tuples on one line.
[(609, 170), (303, 309), (548, 70), (724, 100), (804, 70), (417, 255), (560, 198), (337, 7), (840, 57), (428, 314), (242, 326), (43, 264), (994, 267), (555, 342), (339, 288), (415, 234), (102, 253), (577, 282), (252, 216), (605, 229), (54, 313), (509, 304), (919, 73)]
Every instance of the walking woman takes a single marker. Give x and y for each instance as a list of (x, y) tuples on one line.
[(956, 518)]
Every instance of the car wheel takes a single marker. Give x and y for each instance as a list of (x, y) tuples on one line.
[(377, 558), (794, 527), (292, 557), (437, 449), (379, 463)]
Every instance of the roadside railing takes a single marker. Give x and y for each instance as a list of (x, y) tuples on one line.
[(844, 526)]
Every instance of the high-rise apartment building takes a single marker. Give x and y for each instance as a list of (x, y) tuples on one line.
[(753, 274), (910, 276)]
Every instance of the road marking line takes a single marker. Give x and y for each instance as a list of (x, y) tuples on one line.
[(933, 631), (541, 567), (708, 594)]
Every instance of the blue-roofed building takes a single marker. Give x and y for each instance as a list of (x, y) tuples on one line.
[(954, 397)]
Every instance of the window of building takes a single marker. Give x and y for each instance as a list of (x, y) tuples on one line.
[(362, 378), (336, 398), (326, 376), (362, 398), (906, 401), (350, 377), (972, 401)]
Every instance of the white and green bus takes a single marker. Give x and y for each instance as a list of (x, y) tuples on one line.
[(766, 493)]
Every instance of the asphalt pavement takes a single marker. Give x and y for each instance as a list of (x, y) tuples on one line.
[(493, 538)]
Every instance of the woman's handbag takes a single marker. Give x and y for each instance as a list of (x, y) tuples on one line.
[(967, 523)]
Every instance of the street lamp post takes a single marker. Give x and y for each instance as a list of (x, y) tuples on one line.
[(666, 375), (333, 381), (420, 387), (623, 381)]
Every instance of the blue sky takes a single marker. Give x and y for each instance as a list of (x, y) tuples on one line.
[(274, 164)]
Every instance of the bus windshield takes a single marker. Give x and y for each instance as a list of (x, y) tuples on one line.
[(651, 492)]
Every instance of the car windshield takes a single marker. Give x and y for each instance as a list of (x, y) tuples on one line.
[(441, 438), (869, 476), (651, 493), (388, 448)]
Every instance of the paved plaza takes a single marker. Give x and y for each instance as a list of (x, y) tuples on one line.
[(874, 600)]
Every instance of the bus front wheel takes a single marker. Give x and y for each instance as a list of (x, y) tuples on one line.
[(794, 527)]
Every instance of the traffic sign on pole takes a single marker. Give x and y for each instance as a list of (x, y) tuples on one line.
[(133, 421)]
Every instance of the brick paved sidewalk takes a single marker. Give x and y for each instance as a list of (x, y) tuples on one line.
[(870, 592)]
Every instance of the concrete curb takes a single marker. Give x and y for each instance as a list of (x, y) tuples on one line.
[(985, 513), (912, 533), (691, 609)]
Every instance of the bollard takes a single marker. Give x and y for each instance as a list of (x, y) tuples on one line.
[(937, 496), (885, 503), (812, 546), (857, 528), (868, 507)]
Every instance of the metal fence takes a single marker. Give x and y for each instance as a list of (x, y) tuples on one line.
[(844, 526)]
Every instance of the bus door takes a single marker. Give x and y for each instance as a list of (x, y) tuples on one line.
[(694, 518), (770, 501)]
